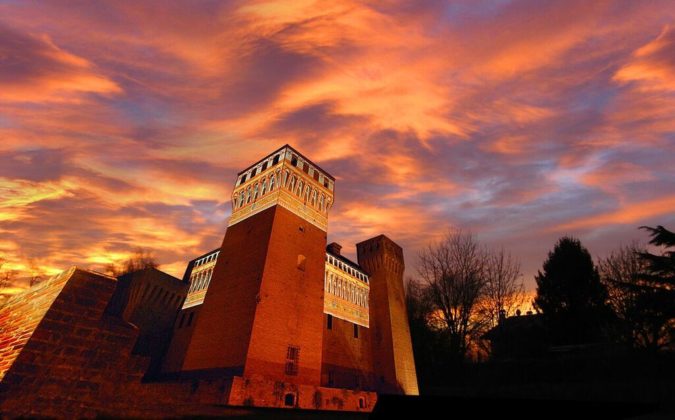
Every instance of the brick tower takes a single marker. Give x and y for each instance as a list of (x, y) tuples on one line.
[(262, 316), (393, 363)]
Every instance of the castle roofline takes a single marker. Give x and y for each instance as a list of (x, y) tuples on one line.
[(288, 146), (347, 261), (381, 238), (205, 254)]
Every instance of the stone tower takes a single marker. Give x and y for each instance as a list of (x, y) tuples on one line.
[(262, 315), (393, 362)]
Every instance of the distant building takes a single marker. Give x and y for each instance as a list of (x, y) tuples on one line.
[(518, 337), (275, 317)]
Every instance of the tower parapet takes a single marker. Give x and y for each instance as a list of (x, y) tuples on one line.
[(288, 179)]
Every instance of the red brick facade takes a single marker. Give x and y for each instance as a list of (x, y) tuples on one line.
[(78, 363), (85, 344), (270, 263)]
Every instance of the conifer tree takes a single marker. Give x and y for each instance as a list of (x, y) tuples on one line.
[(570, 294)]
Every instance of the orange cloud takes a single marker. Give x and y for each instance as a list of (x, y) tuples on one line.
[(652, 66), (628, 214), (500, 117), (36, 70)]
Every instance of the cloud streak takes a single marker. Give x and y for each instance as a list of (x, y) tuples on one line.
[(123, 124)]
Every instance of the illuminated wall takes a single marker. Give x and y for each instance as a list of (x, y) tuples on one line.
[(200, 275), (346, 291)]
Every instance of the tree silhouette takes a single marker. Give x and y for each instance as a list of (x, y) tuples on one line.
[(655, 291), (570, 294), (453, 272), (139, 260), (504, 290), (622, 273)]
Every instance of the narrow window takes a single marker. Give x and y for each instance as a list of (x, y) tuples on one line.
[(253, 173), (362, 402), (356, 331), (243, 178), (292, 358), (301, 262), (272, 182), (294, 160), (329, 321), (276, 160), (289, 400), (264, 166)]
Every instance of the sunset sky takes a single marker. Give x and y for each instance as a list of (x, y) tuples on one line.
[(123, 124)]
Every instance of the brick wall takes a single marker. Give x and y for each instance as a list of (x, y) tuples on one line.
[(232, 293), (269, 298), (290, 307), (75, 354), (393, 358), (20, 315), (346, 358)]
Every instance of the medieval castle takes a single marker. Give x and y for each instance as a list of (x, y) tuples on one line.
[(275, 317)]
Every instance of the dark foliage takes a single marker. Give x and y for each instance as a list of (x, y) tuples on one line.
[(571, 296)]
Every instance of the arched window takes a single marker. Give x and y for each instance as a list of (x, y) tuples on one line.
[(313, 197), (291, 183), (322, 202), (208, 278), (298, 192), (307, 190), (272, 182), (255, 191), (235, 201), (285, 178), (241, 199), (248, 194), (263, 189)]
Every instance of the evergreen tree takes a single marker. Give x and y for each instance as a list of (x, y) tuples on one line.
[(661, 270), (570, 294), (655, 291)]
